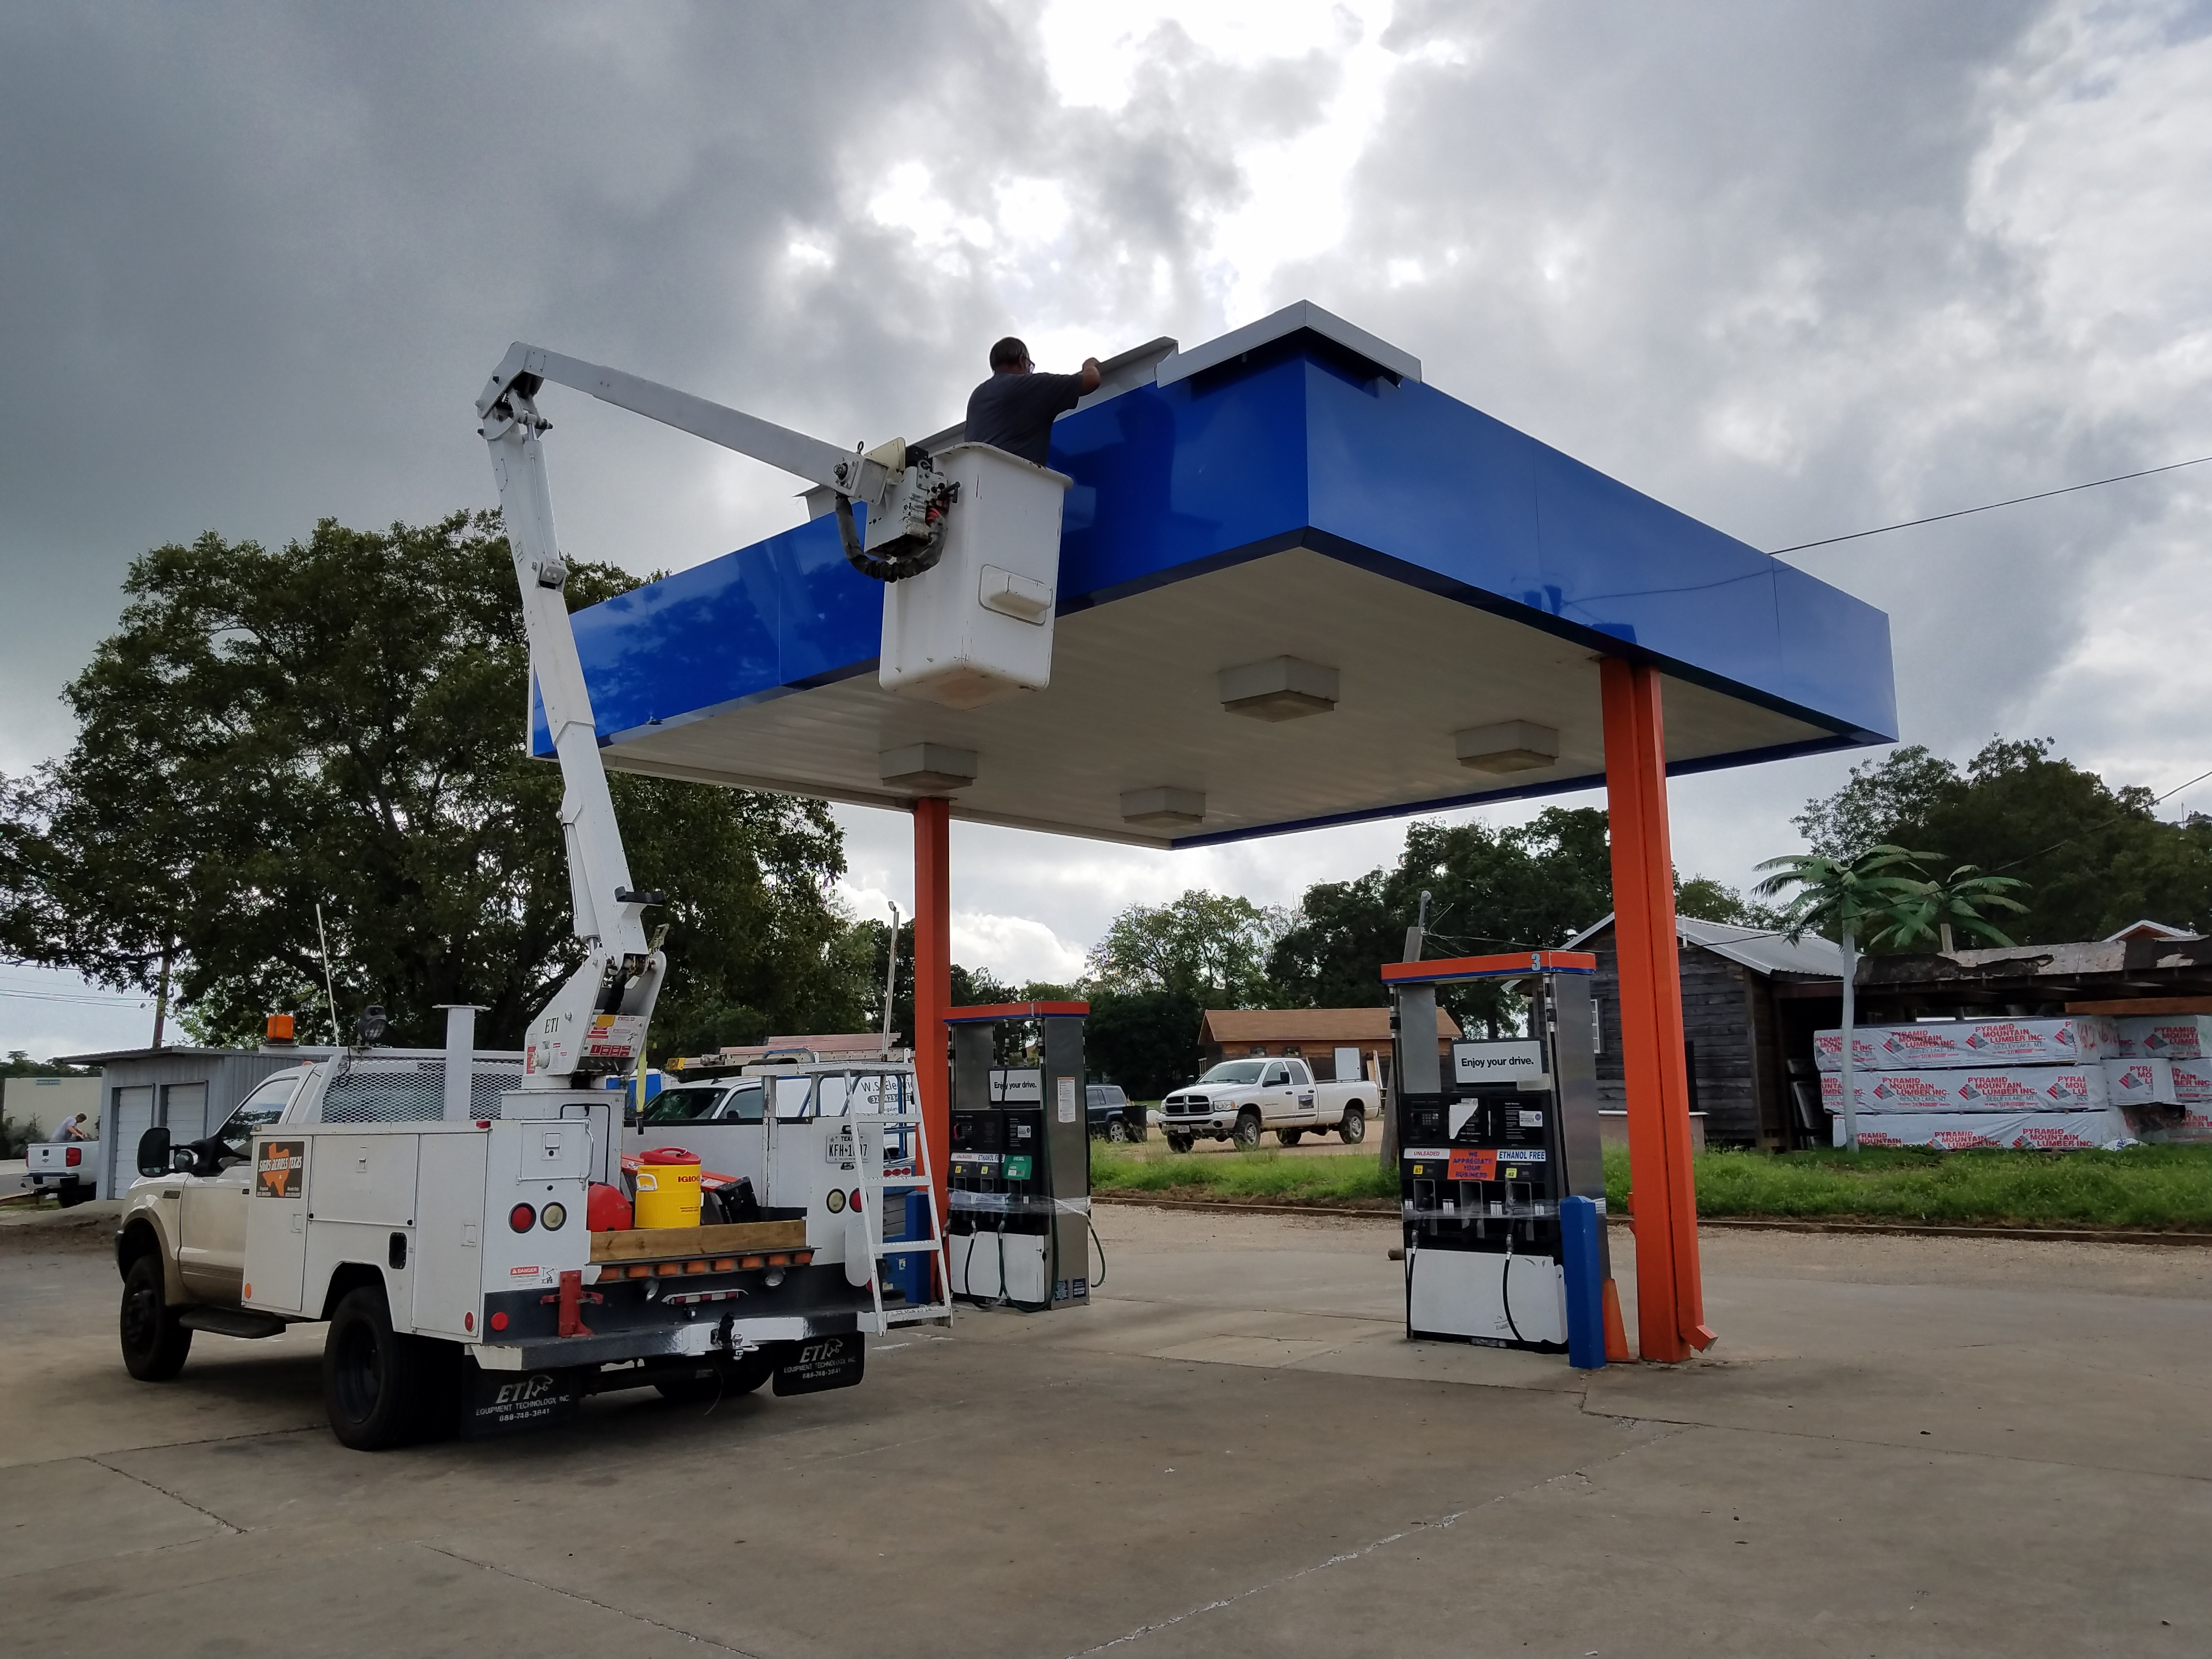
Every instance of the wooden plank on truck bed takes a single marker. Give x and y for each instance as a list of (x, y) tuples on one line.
[(660, 1244)]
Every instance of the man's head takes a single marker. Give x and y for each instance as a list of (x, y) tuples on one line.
[(1011, 356)]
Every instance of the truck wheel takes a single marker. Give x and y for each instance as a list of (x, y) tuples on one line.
[(154, 1344), (380, 1388), (1290, 1137), (1179, 1142), (1247, 1131), (1354, 1126), (1116, 1130)]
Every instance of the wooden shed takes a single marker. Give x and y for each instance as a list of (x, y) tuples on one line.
[(1751, 1001)]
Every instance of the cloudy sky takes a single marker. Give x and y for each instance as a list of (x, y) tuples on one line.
[(1796, 269)]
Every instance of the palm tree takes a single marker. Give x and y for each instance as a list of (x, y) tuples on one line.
[(1954, 901), (1869, 896)]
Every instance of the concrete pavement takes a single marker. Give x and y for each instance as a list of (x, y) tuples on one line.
[(1900, 1447)]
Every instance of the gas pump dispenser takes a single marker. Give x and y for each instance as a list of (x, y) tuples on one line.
[(1490, 1143), (1018, 1181)]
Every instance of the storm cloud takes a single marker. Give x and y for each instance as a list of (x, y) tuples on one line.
[(1798, 269)]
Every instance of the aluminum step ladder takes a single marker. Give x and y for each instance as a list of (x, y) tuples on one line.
[(916, 1174)]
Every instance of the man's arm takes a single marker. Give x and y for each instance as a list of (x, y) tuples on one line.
[(1091, 375)]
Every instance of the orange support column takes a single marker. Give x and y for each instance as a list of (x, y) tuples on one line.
[(933, 981), (1669, 1291)]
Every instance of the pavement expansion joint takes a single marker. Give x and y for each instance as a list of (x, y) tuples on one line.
[(173, 1496), (1688, 1423), (588, 1600), (1344, 1557)]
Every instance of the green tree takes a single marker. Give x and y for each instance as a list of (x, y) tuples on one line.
[(1207, 945), (1145, 1040), (338, 722), (2096, 857), (1530, 886), (1707, 899)]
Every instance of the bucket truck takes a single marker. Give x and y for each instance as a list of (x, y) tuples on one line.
[(462, 1219)]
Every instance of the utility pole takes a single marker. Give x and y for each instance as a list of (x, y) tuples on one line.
[(161, 995)]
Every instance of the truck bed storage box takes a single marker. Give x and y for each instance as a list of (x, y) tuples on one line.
[(978, 626), (2071, 1040)]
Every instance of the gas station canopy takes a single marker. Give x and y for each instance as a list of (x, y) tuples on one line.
[(1297, 586)]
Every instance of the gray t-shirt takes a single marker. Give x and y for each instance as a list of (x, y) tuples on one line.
[(1013, 412)]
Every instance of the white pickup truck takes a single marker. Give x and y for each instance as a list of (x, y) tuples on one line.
[(460, 1261), (1239, 1100), (68, 1169)]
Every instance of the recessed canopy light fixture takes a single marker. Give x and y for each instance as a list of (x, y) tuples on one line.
[(1163, 808), (1510, 747), (1280, 689), (928, 769)]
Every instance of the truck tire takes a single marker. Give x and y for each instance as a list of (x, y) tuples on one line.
[(1116, 1130), (1247, 1131), (1354, 1126), (154, 1344), (1178, 1143), (380, 1388), (1290, 1137)]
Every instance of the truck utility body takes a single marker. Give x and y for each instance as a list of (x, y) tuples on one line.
[(343, 1176), (1239, 1099)]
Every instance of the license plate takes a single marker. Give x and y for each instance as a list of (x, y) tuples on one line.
[(821, 1363)]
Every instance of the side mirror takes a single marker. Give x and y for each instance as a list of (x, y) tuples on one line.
[(153, 1152)]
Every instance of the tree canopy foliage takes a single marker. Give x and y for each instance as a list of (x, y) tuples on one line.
[(338, 722), (1210, 946), (2094, 858), (1527, 886)]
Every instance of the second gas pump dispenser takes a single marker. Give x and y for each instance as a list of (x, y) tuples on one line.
[(1491, 1141), (1019, 1177)]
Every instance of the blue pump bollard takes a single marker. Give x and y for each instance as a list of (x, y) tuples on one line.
[(1579, 1222)]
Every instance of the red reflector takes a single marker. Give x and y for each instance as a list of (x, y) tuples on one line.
[(855, 1200), (499, 1322), (520, 1218), (468, 1321), (75, 1156)]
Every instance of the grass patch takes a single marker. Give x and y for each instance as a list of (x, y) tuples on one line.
[(1254, 1177), (2150, 1187)]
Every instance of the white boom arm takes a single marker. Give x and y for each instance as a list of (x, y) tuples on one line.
[(904, 501), (596, 1021)]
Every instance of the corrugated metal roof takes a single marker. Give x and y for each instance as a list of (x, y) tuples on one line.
[(1759, 948), (1306, 1025)]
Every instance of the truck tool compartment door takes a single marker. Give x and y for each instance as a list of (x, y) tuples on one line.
[(450, 1215), (276, 1222)]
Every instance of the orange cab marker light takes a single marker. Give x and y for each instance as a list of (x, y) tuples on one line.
[(752, 1261), (249, 1293), (779, 1259), (642, 1271), (698, 1266), (725, 1263)]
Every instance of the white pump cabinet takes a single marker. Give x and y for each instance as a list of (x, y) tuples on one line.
[(977, 626)]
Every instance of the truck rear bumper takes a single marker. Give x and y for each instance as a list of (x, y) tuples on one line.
[(689, 1340)]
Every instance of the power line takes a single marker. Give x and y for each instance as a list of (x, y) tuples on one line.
[(1991, 507), (2096, 828)]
